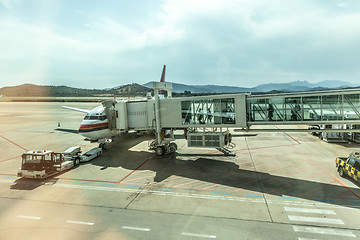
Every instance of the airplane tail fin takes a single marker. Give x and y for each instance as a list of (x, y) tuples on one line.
[(162, 79)]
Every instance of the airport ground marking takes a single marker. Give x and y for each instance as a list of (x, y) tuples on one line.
[(289, 136), (83, 180), (314, 189), (17, 157), (137, 187), (316, 175), (13, 143), (309, 210), (165, 189), (324, 231), (259, 148), (28, 217), (342, 183), (330, 174), (271, 170), (78, 182), (286, 186), (315, 220), (198, 196), (136, 228), (6, 181), (211, 186), (220, 193), (289, 198), (254, 195), (182, 184), (79, 222), (197, 235), (108, 184), (143, 163)]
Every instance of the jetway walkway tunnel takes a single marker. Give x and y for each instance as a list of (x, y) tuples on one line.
[(331, 107)]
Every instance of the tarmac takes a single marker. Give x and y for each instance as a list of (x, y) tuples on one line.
[(278, 186)]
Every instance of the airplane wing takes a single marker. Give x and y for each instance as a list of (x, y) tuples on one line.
[(76, 109)]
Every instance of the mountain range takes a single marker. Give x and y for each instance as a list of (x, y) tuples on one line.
[(295, 86), (134, 89)]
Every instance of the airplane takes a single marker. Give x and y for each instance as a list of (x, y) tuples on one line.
[(95, 125)]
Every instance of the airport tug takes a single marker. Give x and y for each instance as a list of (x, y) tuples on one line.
[(45, 163)]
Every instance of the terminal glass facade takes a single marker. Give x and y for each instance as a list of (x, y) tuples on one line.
[(304, 107), (209, 111)]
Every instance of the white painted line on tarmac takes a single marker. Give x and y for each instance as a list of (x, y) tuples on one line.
[(327, 231), (7, 181), (198, 196), (136, 228), (82, 223), (308, 210), (300, 238), (197, 235), (316, 220), (28, 217)]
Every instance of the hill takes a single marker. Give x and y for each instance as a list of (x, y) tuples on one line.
[(31, 90), (295, 86), (134, 89)]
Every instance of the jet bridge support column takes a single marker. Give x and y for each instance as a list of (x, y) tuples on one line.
[(162, 145), (157, 117)]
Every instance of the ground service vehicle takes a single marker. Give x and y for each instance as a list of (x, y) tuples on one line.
[(349, 166), (91, 154), (72, 153), (43, 164)]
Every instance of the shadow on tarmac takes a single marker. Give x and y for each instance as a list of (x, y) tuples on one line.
[(27, 184), (220, 170)]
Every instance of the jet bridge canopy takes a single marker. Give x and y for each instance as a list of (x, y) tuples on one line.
[(330, 107)]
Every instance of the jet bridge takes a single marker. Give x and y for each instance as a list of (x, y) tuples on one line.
[(310, 108), (206, 119)]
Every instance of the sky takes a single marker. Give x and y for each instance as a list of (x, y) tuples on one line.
[(103, 44)]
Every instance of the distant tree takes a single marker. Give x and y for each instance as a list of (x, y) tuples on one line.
[(187, 93)]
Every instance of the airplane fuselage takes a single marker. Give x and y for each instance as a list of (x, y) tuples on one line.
[(95, 125)]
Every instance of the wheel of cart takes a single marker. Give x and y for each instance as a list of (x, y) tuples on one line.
[(173, 147), (77, 161)]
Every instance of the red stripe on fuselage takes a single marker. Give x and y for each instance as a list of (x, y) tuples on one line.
[(96, 125)]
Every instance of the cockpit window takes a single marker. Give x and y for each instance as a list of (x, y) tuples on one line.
[(95, 117)]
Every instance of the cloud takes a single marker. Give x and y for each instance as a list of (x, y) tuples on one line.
[(9, 4), (231, 42)]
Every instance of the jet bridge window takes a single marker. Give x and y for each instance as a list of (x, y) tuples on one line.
[(210, 111), (332, 108), (351, 106), (312, 108)]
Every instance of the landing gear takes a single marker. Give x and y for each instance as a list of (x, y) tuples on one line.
[(163, 149), (164, 143)]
